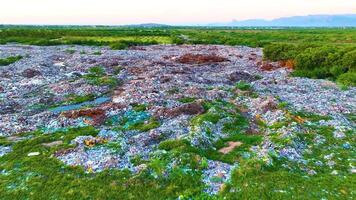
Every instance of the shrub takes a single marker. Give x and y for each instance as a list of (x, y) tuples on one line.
[(276, 52), (338, 70), (349, 60), (243, 86), (97, 71), (347, 79), (118, 46), (312, 58)]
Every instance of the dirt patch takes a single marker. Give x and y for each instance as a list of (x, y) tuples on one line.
[(97, 115), (266, 66), (289, 64), (200, 59), (241, 76), (231, 147), (30, 73), (187, 109)]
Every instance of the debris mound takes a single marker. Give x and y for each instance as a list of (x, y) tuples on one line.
[(97, 115), (200, 59)]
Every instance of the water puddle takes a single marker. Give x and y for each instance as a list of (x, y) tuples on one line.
[(97, 101)]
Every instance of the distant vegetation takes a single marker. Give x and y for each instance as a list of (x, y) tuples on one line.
[(316, 53)]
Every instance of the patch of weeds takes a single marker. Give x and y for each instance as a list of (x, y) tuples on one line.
[(241, 85), (97, 53), (145, 126), (96, 72), (137, 160), (341, 148), (212, 153), (115, 146), (206, 117), (139, 107), (113, 120), (117, 70), (174, 90), (278, 125), (97, 76), (4, 141), (258, 77), (236, 154), (351, 117), (282, 105), (246, 89), (70, 51), (236, 126), (182, 145), (187, 99), (77, 99), (216, 110), (210, 87), (9, 60), (83, 52), (279, 140), (202, 126), (135, 120), (311, 116)]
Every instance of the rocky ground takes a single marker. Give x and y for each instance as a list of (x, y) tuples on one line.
[(142, 98)]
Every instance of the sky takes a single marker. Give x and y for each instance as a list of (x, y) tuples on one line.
[(177, 12)]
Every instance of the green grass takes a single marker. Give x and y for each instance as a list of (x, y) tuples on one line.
[(243, 86), (311, 116), (264, 184), (77, 99), (187, 99), (98, 53), (98, 76), (212, 153), (70, 51), (215, 111), (43, 176), (9, 60), (145, 126), (139, 107)]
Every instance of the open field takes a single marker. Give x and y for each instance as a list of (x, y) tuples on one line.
[(177, 113)]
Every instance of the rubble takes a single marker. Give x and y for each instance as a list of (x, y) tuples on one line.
[(4, 150), (200, 59)]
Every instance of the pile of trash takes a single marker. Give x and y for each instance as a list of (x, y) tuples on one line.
[(139, 97)]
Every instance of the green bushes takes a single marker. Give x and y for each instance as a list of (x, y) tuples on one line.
[(349, 60), (276, 52), (347, 79), (317, 61), (124, 44), (9, 60)]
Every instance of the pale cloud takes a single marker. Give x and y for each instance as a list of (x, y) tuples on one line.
[(161, 11)]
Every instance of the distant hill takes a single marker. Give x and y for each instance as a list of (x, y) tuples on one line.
[(148, 25), (348, 20)]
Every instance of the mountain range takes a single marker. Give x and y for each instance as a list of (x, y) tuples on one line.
[(348, 20)]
